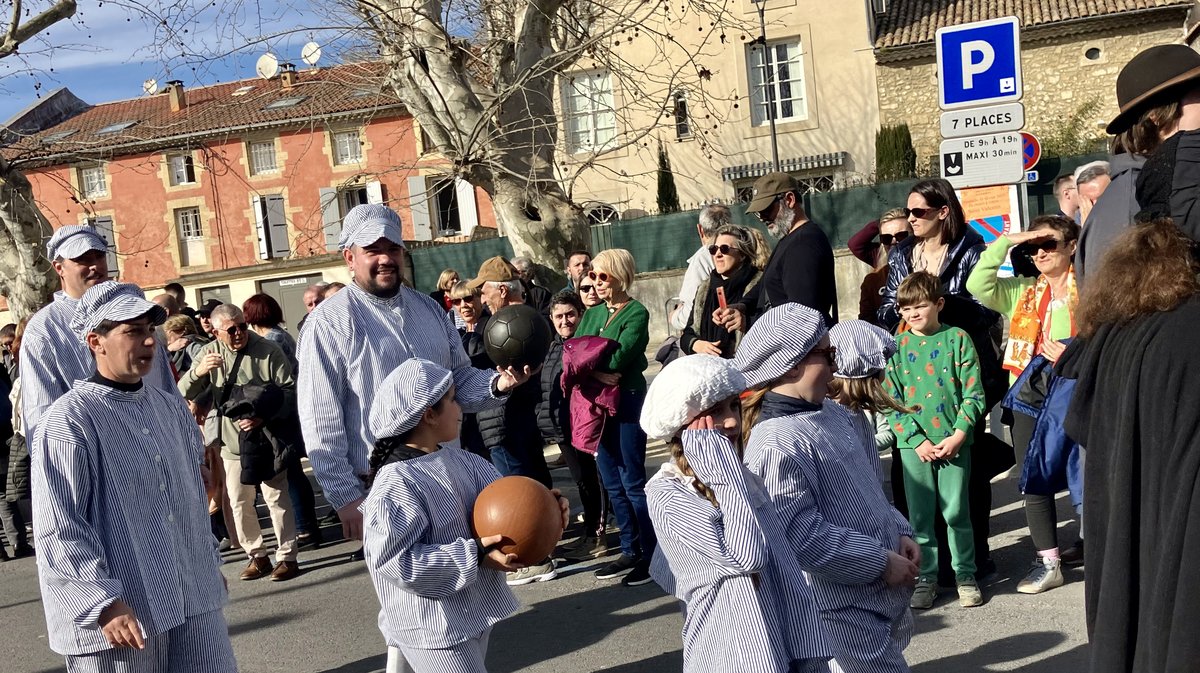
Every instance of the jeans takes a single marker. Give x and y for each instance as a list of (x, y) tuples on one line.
[(583, 472), (621, 460), (521, 457), (303, 501)]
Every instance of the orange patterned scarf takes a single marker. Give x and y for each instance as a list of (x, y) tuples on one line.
[(1025, 331)]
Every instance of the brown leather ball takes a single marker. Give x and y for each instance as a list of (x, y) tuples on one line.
[(524, 512)]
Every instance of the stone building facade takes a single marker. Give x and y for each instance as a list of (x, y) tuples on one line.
[(1067, 59)]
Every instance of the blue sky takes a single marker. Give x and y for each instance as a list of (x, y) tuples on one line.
[(107, 51)]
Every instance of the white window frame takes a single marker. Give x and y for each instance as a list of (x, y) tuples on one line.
[(189, 219), (181, 169), (589, 114), (789, 88), (345, 150), (255, 150), (683, 122), (92, 181)]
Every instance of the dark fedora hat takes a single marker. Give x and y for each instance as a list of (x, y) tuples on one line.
[(1148, 76)]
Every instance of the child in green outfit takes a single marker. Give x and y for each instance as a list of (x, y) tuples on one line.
[(936, 371)]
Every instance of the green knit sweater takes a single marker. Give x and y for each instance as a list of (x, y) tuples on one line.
[(629, 327), (940, 374)]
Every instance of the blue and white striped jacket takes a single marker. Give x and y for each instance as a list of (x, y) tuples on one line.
[(422, 555), (748, 607), (120, 512)]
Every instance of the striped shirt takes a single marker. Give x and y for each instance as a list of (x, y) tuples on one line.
[(823, 476), (350, 343), (53, 358), (119, 511), (731, 566), (422, 555)]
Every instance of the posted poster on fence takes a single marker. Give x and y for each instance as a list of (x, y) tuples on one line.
[(992, 212)]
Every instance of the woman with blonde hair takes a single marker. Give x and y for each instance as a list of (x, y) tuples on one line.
[(621, 457), (893, 228), (736, 271), (446, 280)]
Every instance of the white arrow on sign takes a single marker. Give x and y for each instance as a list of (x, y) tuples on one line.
[(979, 161)]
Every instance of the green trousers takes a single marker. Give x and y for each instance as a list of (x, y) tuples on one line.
[(942, 485)]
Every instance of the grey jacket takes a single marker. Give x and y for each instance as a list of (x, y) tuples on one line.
[(1113, 213)]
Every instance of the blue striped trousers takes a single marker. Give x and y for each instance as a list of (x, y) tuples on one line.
[(865, 641), (465, 657), (199, 645)]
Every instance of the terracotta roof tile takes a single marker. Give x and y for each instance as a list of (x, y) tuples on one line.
[(911, 22), (325, 92)]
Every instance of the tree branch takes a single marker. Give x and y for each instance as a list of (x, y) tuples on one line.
[(19, 33)]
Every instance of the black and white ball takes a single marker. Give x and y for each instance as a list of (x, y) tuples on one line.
[(517, 336)]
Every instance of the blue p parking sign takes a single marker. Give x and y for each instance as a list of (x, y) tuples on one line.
[(979, 63)]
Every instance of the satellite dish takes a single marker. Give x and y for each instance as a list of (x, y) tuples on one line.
[(150, 86), (267, 66), (311, 53)]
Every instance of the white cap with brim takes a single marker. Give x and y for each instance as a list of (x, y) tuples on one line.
[(367, 223), (73, 241), (116, 302), (684, 389), (405, 394)]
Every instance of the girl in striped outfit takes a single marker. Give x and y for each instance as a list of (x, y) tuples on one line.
[(721, 548), (822, 476), (440, 588)]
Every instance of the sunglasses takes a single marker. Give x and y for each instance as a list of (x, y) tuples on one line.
[(919, 213), (887, 239), (1047, 246), (723, 249), (587, 288), (235, 329), (829, 353), (457, 302), (602, 277)]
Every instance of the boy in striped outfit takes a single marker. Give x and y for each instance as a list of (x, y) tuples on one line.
[(440, 588)]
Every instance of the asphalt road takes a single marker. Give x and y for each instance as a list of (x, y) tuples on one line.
[(324, 621)]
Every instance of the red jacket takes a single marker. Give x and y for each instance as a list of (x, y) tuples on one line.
[(591, 401)]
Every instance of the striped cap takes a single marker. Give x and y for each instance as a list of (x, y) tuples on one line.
[(404, 396), (862, 349), (113, 301), (683, 389), (778, 341), (73, 241), (369, 222)]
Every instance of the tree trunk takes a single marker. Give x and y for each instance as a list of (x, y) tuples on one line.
[(543, 226), (27, 279)]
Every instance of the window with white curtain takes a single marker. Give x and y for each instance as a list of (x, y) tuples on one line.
[(588, 113), (784, 93), (262, 157), (347, 148), (93, 182)]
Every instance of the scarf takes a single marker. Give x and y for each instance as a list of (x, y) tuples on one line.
[(775, 405), (1029, 327), (735, 289)]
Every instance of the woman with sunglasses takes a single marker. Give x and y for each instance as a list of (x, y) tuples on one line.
[(1041, 315), (734, 253), (621, 457), (587, 292), (470, 315), (892, 229)]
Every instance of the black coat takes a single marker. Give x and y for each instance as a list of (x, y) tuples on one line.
[(515, 422), (1134, 409), (554, 411), (268, 449)]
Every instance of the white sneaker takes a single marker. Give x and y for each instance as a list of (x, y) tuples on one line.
[(538, 573), (1045, 575)]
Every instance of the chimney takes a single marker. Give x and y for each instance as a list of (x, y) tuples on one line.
[(287, 75), (175, 95)]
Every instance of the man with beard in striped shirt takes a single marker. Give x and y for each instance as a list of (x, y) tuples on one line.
[(127, 565)]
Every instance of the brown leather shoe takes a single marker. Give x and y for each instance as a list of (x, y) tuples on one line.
[(285, 570), (260, 566)]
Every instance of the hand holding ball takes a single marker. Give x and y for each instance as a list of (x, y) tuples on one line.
[(524, 513), (517, 336)]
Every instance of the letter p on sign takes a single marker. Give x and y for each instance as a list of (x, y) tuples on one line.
[(977, 58)]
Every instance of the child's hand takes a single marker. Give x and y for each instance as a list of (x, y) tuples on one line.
[(900, 572), (949, 447), (565, 506), (496, 559), (927, 452), (910, 549), (702, 422)]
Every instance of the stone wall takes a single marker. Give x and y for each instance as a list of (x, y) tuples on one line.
[(1060, 75)]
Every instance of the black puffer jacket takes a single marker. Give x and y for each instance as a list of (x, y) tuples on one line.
[(515, 423), (554, 412)]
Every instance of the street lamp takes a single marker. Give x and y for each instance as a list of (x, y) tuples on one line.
[(769, 82)]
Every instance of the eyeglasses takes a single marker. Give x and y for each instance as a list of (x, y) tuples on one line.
[(460, 300), (601, 276), (235, 329), (919, 213), (829, 353), (887, 239), (1047, 246), (587, 288), (723, 249)]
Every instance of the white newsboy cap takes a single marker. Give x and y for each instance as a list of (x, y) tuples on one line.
[(863, 349), (369, 222), (113, 301), (405, 394), (74, 240), (778, 341), (683, 389)]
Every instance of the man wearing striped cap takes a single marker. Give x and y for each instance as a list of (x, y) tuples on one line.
[(127, 565), (52, 356)]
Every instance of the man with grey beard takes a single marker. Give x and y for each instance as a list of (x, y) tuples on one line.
[(801, 267)]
